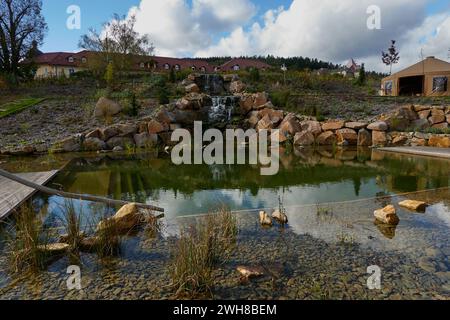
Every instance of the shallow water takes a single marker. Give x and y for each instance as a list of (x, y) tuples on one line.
[(324, 251)]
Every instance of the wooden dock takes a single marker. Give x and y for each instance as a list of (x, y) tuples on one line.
[(13, 194)]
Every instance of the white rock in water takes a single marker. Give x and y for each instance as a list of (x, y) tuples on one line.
[(414, 205), (265, 219), (280, 216), (250, 272), (54, 248), (387, 215)]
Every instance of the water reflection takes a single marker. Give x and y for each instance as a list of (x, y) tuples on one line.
[(306, 176)]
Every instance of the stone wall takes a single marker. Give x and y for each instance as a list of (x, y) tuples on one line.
[(402, 127)]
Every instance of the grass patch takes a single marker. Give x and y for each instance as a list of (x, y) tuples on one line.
[(18, 105), (25, 241), (199, 250)]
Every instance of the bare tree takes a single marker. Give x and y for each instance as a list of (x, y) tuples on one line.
[(22, 26), (391, 57), (118, 43)]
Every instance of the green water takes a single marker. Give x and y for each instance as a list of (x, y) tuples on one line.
[(349, 184), (305, 177)]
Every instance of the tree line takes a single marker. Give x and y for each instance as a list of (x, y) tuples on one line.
[(292, 63)]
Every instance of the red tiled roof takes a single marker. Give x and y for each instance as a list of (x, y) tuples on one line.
[(243, 63), (61, 58), (183, 63)]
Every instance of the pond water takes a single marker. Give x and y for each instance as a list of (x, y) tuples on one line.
[(324, 252)]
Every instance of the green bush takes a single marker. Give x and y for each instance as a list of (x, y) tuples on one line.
[(280, 98)]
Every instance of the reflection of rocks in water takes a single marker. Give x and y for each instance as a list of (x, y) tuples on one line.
[(386, 230)]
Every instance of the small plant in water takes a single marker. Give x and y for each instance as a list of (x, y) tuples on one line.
[(344, 238), (25, 243), (198, 250)]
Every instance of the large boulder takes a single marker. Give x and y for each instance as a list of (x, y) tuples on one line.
[(326, 138), (414, 205), (304, 138), (439, 141), (379, 138), (106, 108), (253, 118), (237, 86), (93, 144), (96, 133), (378, 126), (157, 127), (424, 114), (122, 142), (355, 125), (387, 215), (312, 126), (347, 136), (260, 99), (108, 132), (400, 119), (192, 88), (275, 115), (194, 101), (364, 138), (290, 125), (440, 126), (437, 116), (164, 116), (420, 124), (265, 123), (246, 103), (419, 108), (146, 140), (124, 220), (126, 129), (70, 144), (399, 140), (333, 125)]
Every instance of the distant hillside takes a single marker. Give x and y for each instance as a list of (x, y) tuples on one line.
[(292, 63)]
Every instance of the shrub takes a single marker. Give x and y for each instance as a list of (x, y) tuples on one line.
[(280, 98), (25, 241), (198, 250), (110, 76)]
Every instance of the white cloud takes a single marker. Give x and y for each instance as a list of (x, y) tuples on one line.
[(335, 31), (332, 30), (179, 29)]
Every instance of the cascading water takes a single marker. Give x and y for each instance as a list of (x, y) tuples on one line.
[(222, 109)]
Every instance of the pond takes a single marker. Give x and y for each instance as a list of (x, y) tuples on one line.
[(323, 253)]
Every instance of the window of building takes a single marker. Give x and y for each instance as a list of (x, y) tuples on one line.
[(388, 87), (166, 66), (71, 59), (203, 69), (236, 67), (142, 65), (440, 84), (83, 60), (177, 67), (193, 68), (71, 71)]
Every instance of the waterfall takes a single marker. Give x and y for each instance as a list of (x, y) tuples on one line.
[(222, 109)]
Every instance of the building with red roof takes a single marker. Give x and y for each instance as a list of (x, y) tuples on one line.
[(237, 64), (57, 64)]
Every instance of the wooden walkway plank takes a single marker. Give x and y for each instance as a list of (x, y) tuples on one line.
[(13, 194)]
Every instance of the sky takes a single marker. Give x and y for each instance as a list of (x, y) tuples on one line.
[(331, 30)]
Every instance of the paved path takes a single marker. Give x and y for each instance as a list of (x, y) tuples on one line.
[(420, 151), (13, 194)]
